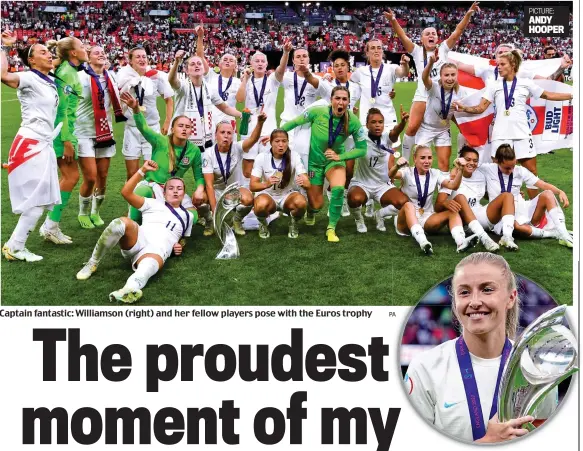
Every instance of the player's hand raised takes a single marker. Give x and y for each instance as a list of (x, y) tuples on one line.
[(262, 116), (328, 76), (392, 94), (404, 59), (389, 15), (129, 100), (179, 56), (302, 69), (460, 162), (402, 161), (199, 30), (475, 8), (434, 57), (404, 114), (264, 140), (8, 38), (287, 45), (566, 61), (150, 165)]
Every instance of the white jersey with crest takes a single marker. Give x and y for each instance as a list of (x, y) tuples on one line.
[(161, 226), (85, 124), (38, 103), (382, 101), (473, 188), (409, 186), (212, 79), (372, 169), (433, 117), (325, 90), (290, 109), (520, 176), (515, 125), (263, 169), (210, 165), (269, 101), (421, 62)]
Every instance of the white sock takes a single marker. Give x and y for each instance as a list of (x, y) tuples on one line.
[(536, 232), (369, 203), (458, 235), (408, 143), (389, 210), (507, 225), (50, 224), (558, 218), (357, 213), (241, 211), (418, 233), (108, 239), (26, 224), (84, 205), (146, 269), (476, 227), (96, 204)]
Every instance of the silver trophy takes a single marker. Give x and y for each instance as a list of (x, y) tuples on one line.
[(542, 357), (228, 201)]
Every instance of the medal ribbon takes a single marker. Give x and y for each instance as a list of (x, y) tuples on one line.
[(444, 109), (471, 387), (508, 97), (340, 84), (374, 84), (496, 73), (221, 92), (505, 189), (139, 96), (45, 77), (281, 168), (422, 198), (175, 213), (175, 170), (379, 144), (226, 174), (259, 96), (333, 133), (303, 88), (199, 101)]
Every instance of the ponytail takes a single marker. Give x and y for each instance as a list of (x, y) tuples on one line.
[(285, 179), (171, 154)]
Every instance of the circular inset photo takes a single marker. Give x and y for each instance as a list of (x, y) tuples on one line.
[(487, 356)]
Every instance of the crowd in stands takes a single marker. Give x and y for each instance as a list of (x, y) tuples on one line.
[(119, 26)]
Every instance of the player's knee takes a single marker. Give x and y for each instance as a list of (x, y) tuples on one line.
[(260, 206), (409, 207), (246, 198), (400, 201), (299, 203), (548, 196)]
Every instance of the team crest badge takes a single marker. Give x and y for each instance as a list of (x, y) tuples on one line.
[(311, 174), (68, 90), (531, 118), (185, 161)]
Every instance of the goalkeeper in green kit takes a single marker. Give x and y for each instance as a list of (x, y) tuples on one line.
[(331, 126), (174, 155)]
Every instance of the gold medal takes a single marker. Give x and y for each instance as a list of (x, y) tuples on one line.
[(507, 113), (278, 174), (443, 122), (421, 211), (372, 101), (142, 108)]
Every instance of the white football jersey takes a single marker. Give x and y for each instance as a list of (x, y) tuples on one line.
[(421, 61), (210, 165), (269, 100), (514, 125), (372, 169), (490, 73), (382, 101), (325, 90), (162, 226), (433, 116), (38, 104), (85, 124), (409, 186), (474, 188), (436, 389), (263, 168), (520, 176), (291, 109), (229, 92)]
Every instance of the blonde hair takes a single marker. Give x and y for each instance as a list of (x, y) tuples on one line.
[(418, 148), (514, 57), (487, 258), (456, 87), (63, 47)]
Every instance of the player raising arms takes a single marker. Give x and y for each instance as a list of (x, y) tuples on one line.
[(136, 79), (420, 56), (164, 226), (331, 126), (509, 94), (497, 216), (435, 127), (221, 167), (371, 177), (33, 177), (272, 179), (99, 95), (174, 155), (418, 216), (534, 218), (71, 53)]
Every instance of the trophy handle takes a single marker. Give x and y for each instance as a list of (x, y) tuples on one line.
[(230, 248), (225, 204)]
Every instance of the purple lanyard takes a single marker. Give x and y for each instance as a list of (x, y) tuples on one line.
[(374, 84), (422, 197), (508, 97), (496, 73), (445, 109), (471, 387), (379, 144), (333, 133), (175, 213), (139, 95), (303, 88), (340, 84), (226, 174), (281, 167), (259, 96), (224, 94), (44, 77), (182, 152), (503, 187), (199, 101)]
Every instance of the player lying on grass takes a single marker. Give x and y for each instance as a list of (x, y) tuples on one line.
[(272, 179), (165, 223)]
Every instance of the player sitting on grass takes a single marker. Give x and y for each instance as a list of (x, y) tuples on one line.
[(164, 225)]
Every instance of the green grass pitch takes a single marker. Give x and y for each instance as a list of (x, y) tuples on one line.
[(372, 269)]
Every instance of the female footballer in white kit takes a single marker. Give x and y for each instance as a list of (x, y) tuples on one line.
[(485, 301), (164, 226), (541, 217), (194, 99), (436, 124), (497, 216), (33, 177), (221, 167), (134, 78), (94, 129), (371, 177), (418, 216), (509, 94), (259, 92), (274, 180), (420, 55)]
